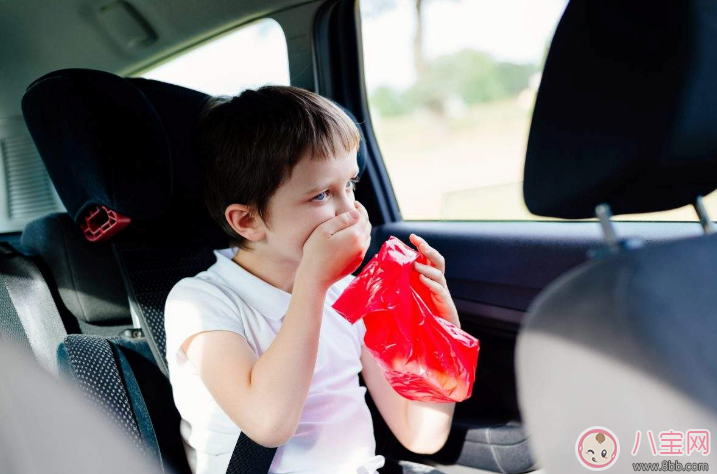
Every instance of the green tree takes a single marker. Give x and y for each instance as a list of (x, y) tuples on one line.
[(475, 76), (389, 102)]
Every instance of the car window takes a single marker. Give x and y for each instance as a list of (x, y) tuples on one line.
[(247, 57), (451, 86)]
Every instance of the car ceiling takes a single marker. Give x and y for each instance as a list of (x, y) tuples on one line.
[(39, 36)]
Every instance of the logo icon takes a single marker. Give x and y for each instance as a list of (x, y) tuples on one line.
[(597, 448)]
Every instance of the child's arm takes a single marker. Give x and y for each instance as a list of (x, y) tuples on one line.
[(420, 427), (264, 396)]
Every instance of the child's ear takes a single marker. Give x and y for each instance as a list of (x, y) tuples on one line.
[(244, 222)]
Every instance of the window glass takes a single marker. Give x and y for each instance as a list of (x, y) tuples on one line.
[(246, 58), (451, 86)]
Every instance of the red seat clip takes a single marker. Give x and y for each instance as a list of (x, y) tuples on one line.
[(101, 222)]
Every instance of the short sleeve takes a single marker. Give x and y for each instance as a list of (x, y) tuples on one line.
[(359, 325), (195, 305), (361, 329)]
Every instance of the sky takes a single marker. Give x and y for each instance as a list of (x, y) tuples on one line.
[(510, 30)]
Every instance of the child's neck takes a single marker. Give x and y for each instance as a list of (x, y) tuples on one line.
[(280, 275)]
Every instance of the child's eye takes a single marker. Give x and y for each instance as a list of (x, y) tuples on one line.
[(351, 185), (604, 453), (354, 182), (314, 198)]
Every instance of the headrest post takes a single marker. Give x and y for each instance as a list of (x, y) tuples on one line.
[(603, 212), (707, 225), (614, 246)]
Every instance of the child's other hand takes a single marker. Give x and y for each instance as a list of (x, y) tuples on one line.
[(337, 247), (432, 275)]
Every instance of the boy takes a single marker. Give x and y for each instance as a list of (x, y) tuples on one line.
[(253, 342)]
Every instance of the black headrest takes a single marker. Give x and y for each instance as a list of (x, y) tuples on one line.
[(126, 144), (626, 112)]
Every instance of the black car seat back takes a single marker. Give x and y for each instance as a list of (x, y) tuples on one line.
[(106, 370), (91, 294), (113, 163)]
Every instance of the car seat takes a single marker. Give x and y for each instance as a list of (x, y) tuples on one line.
[(625, 122)]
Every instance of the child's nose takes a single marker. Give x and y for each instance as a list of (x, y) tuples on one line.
[(345, 204)]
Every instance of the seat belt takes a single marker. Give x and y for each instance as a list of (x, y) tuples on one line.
[(249, 457), (34, 305)]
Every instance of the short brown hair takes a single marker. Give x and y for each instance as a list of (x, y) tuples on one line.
[(249, 144)]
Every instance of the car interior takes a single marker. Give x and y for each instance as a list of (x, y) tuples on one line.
[(583, 319)]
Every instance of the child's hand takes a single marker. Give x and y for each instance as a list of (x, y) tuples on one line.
[(433, 277), (337, 247)]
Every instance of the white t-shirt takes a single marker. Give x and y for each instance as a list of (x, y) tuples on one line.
[(335, 434)]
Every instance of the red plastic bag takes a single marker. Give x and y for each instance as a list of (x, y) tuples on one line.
[(423, 356)]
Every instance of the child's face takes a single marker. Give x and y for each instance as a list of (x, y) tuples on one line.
[(317, 191)]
